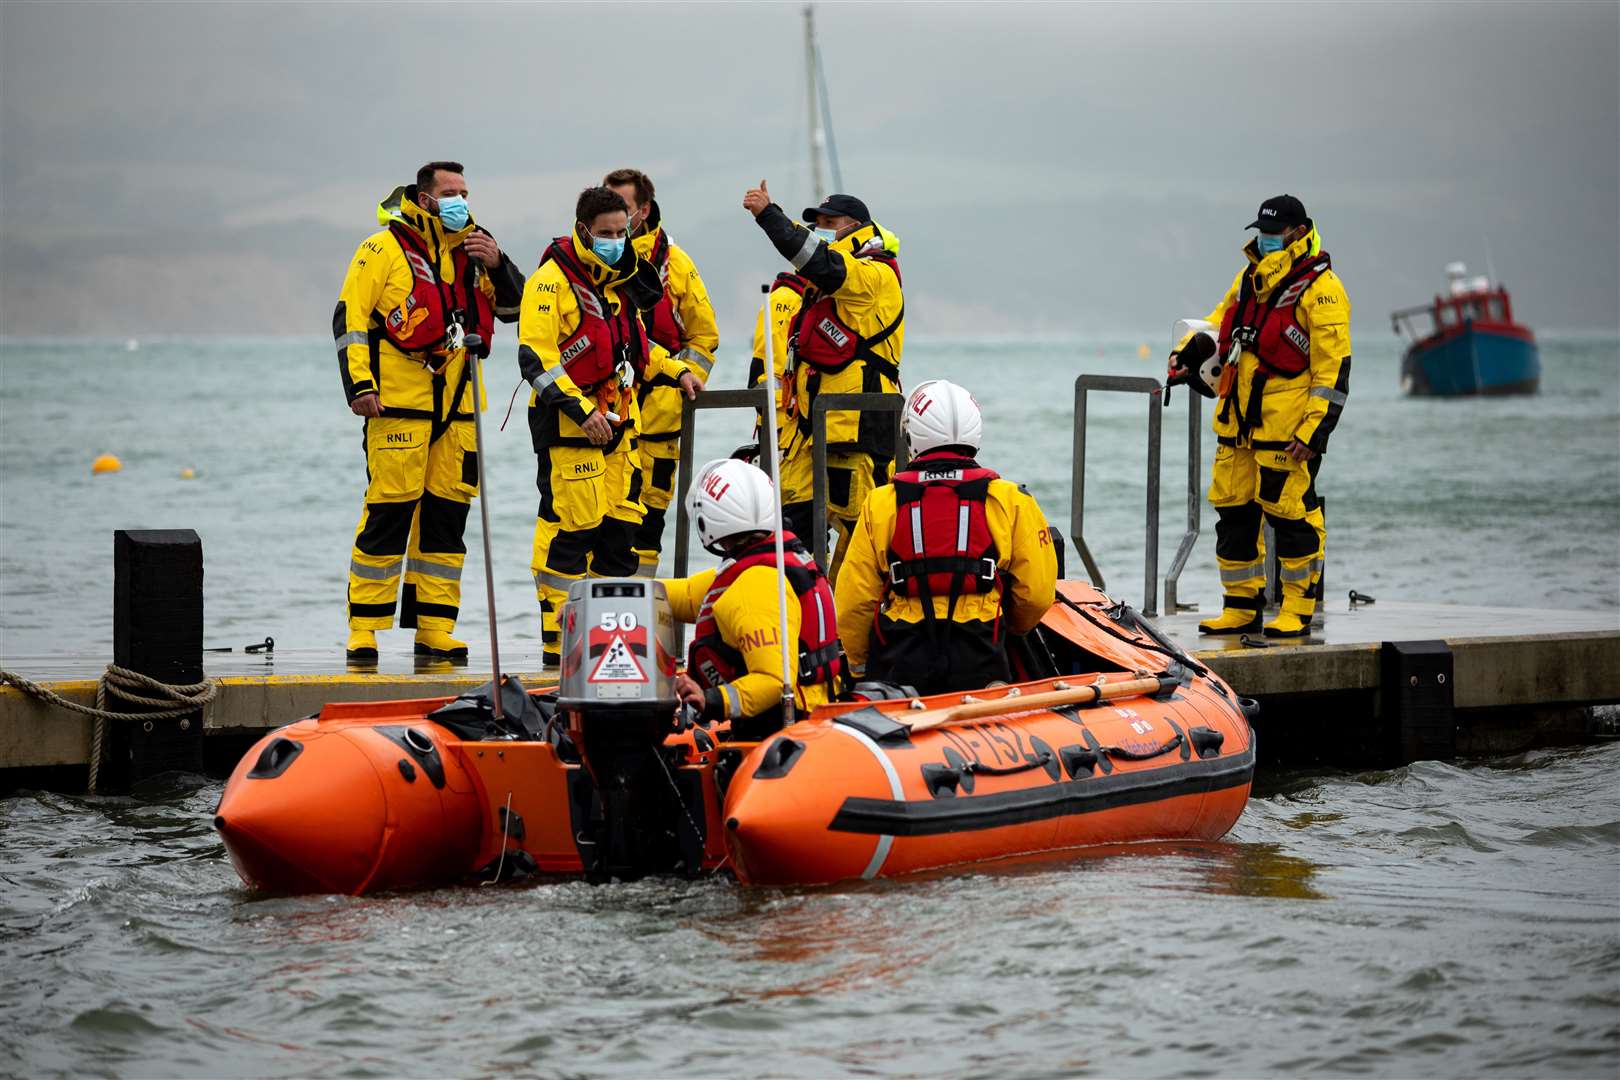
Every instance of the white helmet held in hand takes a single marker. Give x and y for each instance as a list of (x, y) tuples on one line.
[(940, 413), (728, 498)]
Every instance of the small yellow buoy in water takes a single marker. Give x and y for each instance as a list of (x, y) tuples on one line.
[(106, 463), (1143, 352), (188, 474)]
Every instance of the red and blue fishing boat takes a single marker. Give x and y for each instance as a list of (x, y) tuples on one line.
[(1469, 344)]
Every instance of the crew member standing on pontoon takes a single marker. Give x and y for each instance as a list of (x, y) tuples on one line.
[(944, 562), (734, 667), (418, 296), (847, 337), (681, 324), (792, 426), (1288, 318), (583, 348)]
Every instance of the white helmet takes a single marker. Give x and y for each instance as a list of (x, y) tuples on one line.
[(730, 497), (940, 413)]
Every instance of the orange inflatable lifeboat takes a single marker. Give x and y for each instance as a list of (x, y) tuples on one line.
[(1112, 735)]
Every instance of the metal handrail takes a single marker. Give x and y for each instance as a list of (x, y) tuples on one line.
[(1083, 385), (1195, 504), (824, 404), (758, 398)]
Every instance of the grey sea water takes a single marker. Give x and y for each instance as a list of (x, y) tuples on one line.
[(1434, 920), (1503, 501)]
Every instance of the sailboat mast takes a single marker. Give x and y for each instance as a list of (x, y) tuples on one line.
[(817, 137)]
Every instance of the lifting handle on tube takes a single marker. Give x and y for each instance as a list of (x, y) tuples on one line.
[(771, 394)]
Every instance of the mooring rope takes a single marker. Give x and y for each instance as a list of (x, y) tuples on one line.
[(172, 701)]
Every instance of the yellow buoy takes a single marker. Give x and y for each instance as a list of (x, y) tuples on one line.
[(106, 463), (188, 474), (1143, 352)]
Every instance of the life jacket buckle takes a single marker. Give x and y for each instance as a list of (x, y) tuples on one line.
[(990, 572), (627, 374), (896, 573), (455, 336)]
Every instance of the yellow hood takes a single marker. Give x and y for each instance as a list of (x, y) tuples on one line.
[(400, 208)]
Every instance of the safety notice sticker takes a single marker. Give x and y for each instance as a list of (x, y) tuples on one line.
[(618, 664)]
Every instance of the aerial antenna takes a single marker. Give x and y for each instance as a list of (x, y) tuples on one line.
[(775, 473), (1490, 264), (483, 513)]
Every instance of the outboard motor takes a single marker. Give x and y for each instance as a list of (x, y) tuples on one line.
[(619, 648)]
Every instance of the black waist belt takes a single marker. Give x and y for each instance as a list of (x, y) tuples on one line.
[(1256, 444)]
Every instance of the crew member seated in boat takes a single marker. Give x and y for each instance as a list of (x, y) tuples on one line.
[(680, 323), (734, 666), (946, 561), (1289, 317), (847, 337), (419, 295), (583, 348), (792, 426)]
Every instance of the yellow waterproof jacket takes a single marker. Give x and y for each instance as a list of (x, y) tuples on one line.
[(700, 334), (868, 299), (378, 281), (1306, 406), (792, 429), (749, 620), (1025, 555), (548, 316)]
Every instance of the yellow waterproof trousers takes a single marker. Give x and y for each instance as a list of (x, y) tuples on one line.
[(1249, 486), (590, 509), (417, 496), (660, 460), (851, 476)]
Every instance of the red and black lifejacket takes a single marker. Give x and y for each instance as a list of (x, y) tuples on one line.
[(712, 661), (604, 339), (1272, 330), (662, 322), (941, 544), (824, 341), (420, 325)]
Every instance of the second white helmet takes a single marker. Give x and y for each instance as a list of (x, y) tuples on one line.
[(728, 498), (940, 413)]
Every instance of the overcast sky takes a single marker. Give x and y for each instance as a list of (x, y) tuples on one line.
[(209, 168)]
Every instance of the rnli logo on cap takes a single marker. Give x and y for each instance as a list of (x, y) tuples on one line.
[(831, 331), (1265, 212), (577, 348)]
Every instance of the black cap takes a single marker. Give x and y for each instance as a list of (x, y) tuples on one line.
[(848, 205), (1279, 214)]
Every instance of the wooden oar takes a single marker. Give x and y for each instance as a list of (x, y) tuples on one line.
[(973, 710)]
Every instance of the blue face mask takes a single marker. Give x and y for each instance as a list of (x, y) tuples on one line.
[(453, 212), (829, 235), (1268, 243), (609, 251)]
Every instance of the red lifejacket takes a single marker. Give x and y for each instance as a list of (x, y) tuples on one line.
[(1273, 331), (941, 544), (825, 342), (663, 322), (421, 322), (1271, 328), (592, 353), (712, 661)]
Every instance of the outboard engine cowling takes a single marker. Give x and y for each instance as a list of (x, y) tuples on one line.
[(619, 649)]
